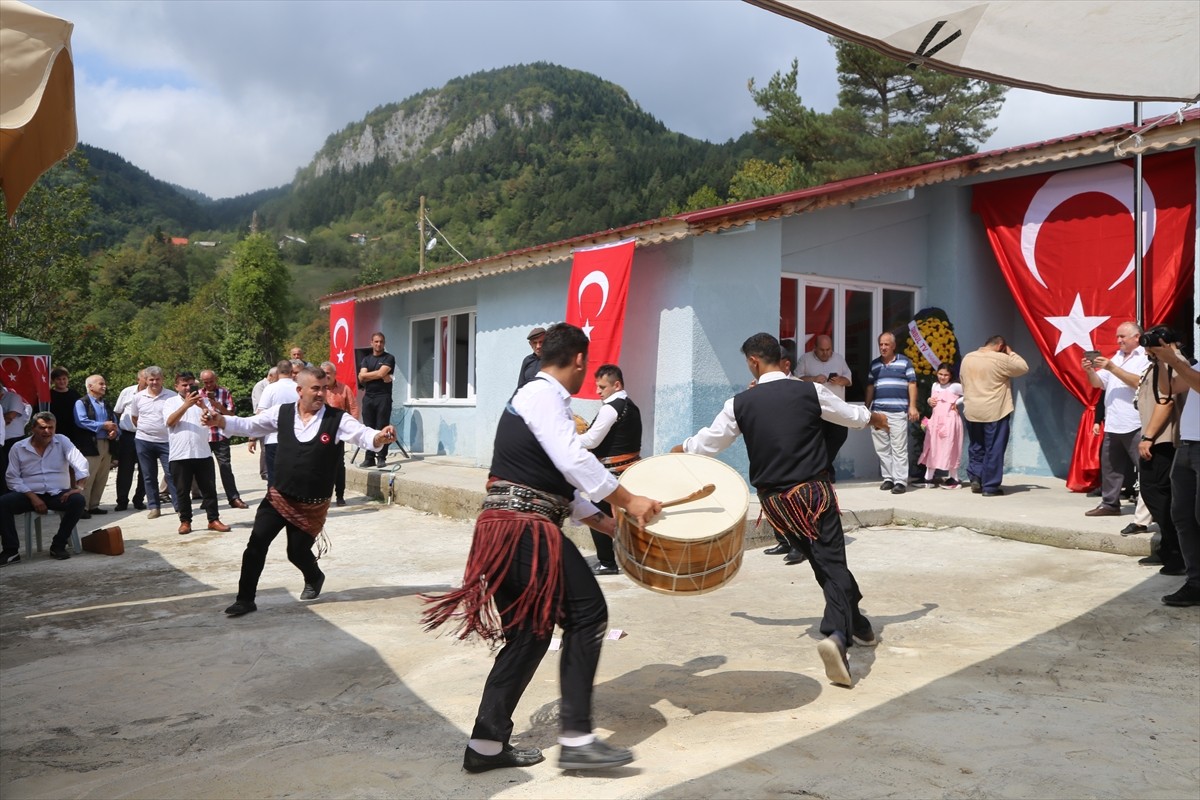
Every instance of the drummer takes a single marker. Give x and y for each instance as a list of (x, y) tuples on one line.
[(538, 466), (614, 437), (781, 420)]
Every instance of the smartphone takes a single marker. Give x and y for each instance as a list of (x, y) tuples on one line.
[(832, 375), (1091, 355)]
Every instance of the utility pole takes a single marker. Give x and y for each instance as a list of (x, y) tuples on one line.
[(421, 238)]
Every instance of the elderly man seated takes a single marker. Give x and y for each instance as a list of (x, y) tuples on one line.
[(39, 479)]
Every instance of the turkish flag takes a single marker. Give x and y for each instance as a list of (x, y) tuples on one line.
[(1065, 243), (341, 343), (28, 376), (596, 303)]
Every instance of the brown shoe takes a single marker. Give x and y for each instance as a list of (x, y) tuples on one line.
[(185, 527), (220, 527), (239, 503), (1103, 511)]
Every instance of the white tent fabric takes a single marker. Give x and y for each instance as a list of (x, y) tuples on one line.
[(1122, 50), (37, 97)]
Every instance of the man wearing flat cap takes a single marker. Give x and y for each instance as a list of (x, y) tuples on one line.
[(533, 362)]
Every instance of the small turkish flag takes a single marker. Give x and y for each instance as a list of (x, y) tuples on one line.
[(28, 376), (596, 303), (341, 343)]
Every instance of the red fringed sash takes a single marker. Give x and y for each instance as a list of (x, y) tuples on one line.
[(799, 509), (497, 533)]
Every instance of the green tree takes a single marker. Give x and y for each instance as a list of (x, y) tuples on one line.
[(259, 296), (888, 116)]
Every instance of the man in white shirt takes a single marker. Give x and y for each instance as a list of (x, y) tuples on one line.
[(283, 390), (190, 456), (152, 439), (39, 480), (127, 448), (822, 365), (1118, 377)]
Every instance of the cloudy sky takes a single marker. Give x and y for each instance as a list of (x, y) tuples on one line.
[(232, 96)]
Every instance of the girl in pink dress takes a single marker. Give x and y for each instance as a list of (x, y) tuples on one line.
[(944, 434)]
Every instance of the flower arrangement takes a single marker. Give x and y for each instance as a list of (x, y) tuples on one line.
[(935, 328)]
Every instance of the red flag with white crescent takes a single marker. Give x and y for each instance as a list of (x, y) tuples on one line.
[(1065, 243), (341, 343), (596, 302), (28, 376)]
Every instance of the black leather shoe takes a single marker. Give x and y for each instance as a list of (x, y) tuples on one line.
[(313, 590), (777, 550), (1151, 560), (594, 755), (899, 488), (508, 757), (886, 486), (140, 506), (976, 486), (60, 553), (121, 507), (97, 511), (795, 557), (1171, 569), (604, 569), (239, 608), (1133, 528)]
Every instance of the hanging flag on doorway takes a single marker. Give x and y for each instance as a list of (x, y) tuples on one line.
[(341, 343), (596, 302)]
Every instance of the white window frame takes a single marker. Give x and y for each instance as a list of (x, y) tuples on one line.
[(840, 287), (439, 399)]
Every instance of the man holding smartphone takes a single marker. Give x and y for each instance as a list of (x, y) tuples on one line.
[(822, 365), (1118, 377)]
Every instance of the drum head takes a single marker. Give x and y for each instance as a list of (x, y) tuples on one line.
[(673, 475)]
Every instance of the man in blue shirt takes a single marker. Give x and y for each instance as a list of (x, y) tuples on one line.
[(96, 437), (892, 390)]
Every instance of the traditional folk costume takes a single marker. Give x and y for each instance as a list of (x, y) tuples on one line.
[(308, 456), (781, 420), (614, 437), (522, 575)]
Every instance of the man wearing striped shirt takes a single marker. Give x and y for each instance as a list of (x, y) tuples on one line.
[(892, 390)]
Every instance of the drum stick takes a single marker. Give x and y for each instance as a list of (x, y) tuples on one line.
[(701, 493)]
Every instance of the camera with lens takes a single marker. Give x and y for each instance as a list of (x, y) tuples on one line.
[(1158, 336)]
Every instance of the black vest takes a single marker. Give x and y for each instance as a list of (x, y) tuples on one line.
[(781, 421), (517, 457), (625, 436), (82, 438), (306, 470)]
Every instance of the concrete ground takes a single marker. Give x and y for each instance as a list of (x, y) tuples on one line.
[(1006, 668)]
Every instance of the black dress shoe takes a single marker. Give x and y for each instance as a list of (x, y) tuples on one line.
[(1170, 569), (508, 757), (121, 506), (60, 553), (86, 515), (594, 755), (341, 501), (1151, 560), (97, 511), (795, 557), (239, 608), (777, 550), (313, 590), (604, 569), (1133, 528), (886, 486), (140, 506)]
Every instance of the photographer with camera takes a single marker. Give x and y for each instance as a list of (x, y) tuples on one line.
[(1118, 377), (190, 456), (1178, 374)]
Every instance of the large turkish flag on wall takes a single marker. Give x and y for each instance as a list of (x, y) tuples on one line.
[(596, 303), (341, 343), (1065, 243)]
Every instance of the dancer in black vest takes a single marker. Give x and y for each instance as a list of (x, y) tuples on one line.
[(781, 420), (614, 437), (310, 446), (523, 575)]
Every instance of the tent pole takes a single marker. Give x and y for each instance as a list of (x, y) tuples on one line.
[(1139, 298)]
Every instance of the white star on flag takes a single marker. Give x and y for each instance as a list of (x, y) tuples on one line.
[(587, 329), (341, 356), (1075, 328)]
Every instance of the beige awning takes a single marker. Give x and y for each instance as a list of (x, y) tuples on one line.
[(1116, 50), (37, 97)]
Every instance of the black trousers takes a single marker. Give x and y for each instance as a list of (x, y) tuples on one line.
[(584, 622), (269, 455), (127, 464), (14, 503), (827, 555), (602, 541), (1155, 479), (339, 480), (835, 436), (220, 451), (377, 414), (268, 522), (186, 470)]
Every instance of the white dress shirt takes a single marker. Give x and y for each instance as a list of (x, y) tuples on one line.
[(605, 419), (151, 417), (188, 438), (545, 405), (1120, 416), (124, 408), (44, 473), (13, 402), (277, 394), (724, 429), (266, 422)]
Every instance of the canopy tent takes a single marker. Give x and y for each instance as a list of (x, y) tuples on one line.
[(25, 368), (1105, 49), (37, 97)]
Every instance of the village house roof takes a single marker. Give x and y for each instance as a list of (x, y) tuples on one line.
[(1159, 133)]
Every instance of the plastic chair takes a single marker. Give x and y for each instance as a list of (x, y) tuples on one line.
[(33, 524)]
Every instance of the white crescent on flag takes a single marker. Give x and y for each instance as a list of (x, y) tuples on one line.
[(593, 278)]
